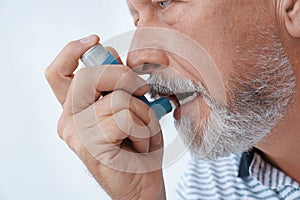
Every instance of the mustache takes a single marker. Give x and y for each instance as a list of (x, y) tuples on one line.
[(165, 84)]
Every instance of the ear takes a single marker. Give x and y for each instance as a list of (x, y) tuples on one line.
[(292, 17)]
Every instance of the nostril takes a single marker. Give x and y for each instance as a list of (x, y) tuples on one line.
[(150, 67), (146, 68), (147, 60)]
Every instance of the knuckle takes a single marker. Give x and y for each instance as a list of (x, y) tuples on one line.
[(84, 77), (100, 106), (117, 72), (66, 131), (123, 70), (152, 114), (66, 134), (80, 73), (65, 128), (49, 73), (71, 45), (61, 127), (120, 94), (127, 115)]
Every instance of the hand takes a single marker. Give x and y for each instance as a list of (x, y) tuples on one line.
[(117, 136)]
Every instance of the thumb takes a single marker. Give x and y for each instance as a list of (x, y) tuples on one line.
[(59, 73)]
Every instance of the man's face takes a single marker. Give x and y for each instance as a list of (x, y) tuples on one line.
[(243, 41)]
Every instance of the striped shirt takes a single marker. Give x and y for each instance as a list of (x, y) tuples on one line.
[(227, 179)]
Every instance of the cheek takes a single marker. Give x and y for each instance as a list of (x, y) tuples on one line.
[(219, 41), (184, 68), (219, 52), (218, 31), (177, 15)]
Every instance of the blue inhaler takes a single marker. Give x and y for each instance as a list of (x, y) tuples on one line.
[(97, 55)]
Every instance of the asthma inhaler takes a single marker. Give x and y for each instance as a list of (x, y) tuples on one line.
[(97, 55)]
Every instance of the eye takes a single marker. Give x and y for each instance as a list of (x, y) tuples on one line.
[(164, 4), (136, 21)]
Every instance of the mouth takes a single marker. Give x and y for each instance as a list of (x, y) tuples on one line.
[(181, 102), (183, 94), (180, 99)]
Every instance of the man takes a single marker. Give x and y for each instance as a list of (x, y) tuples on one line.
[(255, 46)]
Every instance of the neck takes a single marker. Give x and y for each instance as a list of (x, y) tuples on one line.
[(281, 147), (284, 154)]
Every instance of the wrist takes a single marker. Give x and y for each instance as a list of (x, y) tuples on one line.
[(156, 193), (150, 194)]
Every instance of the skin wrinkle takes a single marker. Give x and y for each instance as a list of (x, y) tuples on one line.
[(278, 11)]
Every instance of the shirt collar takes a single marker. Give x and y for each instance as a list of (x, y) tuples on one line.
[(245, 163), (252, 164)]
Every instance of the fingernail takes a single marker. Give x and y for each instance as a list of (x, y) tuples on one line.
[(88, 39), (142, 83)]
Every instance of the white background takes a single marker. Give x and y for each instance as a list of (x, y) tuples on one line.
[(35, 164)]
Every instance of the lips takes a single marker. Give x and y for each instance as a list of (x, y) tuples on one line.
[(185, 98), (182, 93), (180, 99)]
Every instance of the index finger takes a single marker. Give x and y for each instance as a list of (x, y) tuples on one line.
[(59, 74)]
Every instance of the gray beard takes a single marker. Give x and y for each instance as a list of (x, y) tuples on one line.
[(257, 101)]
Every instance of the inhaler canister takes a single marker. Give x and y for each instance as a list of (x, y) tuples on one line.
[(98, 55)]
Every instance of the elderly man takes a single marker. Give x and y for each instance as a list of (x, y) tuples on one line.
[(244, 144)]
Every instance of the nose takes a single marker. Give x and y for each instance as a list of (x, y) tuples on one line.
[(146, 61)]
